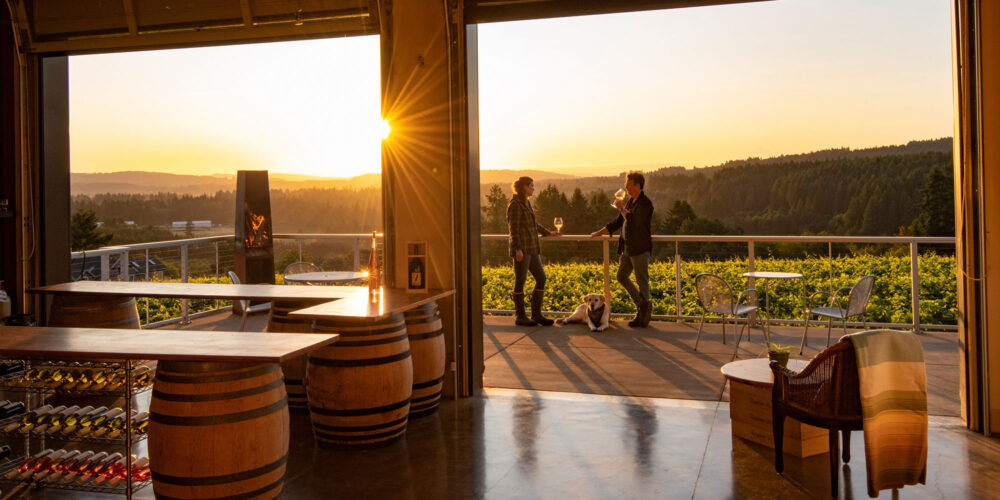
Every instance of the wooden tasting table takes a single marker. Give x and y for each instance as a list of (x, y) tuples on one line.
[(111, 304), (218, 414), (750, 382), (389, 367)]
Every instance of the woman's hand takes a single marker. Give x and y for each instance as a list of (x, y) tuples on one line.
[(597, 233), (519, 255), (555, 233)]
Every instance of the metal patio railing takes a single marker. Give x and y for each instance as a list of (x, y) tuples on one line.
[(120, 256)]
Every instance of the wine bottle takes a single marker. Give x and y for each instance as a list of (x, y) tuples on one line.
[(97, 422), (28, 419), (64, 419), (43, 423), (111, 423), (42, 463), (141, 419), (77, 420), (142, 376), (69, 466), (99, 468), (117, 471), (140, 470), (52, 467), (82, 466), (5, 451), (11, 408), (28, 463)]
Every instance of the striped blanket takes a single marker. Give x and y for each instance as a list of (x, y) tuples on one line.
[(894, 405)]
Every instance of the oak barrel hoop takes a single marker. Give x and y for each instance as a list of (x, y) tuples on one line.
[(218, 430), (423, 326), (359, 387), (94, 311), (294, 369)]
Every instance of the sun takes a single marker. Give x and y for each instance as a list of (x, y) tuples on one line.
[(384, 129)]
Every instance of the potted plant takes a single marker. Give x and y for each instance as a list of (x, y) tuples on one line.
[(779, 353)]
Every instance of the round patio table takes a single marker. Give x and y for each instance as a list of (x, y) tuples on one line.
[(774, 275), (325, 277)]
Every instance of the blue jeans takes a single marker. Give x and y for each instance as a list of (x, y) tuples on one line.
[(531, 262), (640, 264)]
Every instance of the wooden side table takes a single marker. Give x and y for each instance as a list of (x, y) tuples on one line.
[(750, 382)]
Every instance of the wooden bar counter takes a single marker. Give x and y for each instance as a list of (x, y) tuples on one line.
[(359, 390), (111, 304), (218, 415)]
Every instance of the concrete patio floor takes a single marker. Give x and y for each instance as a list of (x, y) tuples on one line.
[(660, 361)]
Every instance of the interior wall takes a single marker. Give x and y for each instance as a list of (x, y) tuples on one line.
[(421, 167), (989, 64)]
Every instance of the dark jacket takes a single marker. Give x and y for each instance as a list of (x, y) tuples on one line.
[(522, 227), (637, 234)]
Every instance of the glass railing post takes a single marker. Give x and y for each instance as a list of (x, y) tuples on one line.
[(357, 254), (123, 265), (105, 267), (147, 279), (184, 279), (915, 286), (751, 267), (606, 247), (677, 280)]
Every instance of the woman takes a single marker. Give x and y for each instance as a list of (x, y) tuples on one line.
[(525, 251)]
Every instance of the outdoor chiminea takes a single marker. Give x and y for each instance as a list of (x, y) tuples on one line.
[(254, 253)]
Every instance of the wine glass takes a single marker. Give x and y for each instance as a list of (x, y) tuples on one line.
[(620, 196), (558, 222)]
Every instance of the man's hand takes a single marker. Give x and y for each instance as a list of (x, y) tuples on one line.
[(519, 255), (599, 232), (555, 233)]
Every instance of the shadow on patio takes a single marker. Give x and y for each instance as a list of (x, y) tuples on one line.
[(660, 361)]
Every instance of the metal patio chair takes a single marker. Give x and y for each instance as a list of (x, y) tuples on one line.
[(856, 305), (716, 296), (245, 304)]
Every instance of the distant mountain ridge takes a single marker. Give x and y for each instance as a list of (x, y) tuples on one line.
[(139, 182)]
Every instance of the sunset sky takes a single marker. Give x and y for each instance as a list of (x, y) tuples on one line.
[(691, 87)]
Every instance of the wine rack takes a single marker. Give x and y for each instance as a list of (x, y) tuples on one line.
[(37, 380)]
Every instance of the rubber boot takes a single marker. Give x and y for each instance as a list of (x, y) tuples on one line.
[(646, 309), (536, 308), (522, 318), (637, 320)]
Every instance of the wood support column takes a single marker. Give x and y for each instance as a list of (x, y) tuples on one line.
[(977, 231), (430, 192)]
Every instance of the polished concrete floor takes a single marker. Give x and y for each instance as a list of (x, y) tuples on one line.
[(517, 444), (539, 444)]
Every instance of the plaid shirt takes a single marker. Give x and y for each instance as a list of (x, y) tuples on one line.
[(522, 227)]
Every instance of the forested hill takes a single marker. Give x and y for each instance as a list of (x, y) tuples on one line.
[(876, 191), (846, 196)]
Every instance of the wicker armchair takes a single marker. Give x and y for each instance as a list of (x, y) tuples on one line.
[(857, 305), (824, 394), (716, 296)]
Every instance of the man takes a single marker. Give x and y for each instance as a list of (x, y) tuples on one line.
[(634, 245)]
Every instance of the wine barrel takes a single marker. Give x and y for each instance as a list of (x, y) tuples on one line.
[(94, 311), (218, 430), (423, 327), (359, 387), (294, 369)]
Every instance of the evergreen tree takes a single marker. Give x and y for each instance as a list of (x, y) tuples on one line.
[(937, 204), (494, 219), (85, 233)]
